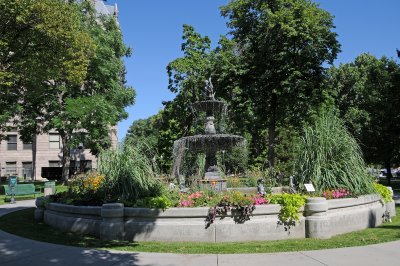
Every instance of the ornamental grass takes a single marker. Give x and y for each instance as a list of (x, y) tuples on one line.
[(130, 172), (329, 157)]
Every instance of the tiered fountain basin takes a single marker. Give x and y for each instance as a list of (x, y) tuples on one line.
[(210, 144), (216, 142), (320, 218)]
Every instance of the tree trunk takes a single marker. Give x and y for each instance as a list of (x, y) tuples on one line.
[(66, 159), (272, 130), (388, 172), (34, 149)]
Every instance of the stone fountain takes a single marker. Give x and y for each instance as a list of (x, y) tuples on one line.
[(208, 143)]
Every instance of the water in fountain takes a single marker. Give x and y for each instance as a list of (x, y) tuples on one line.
[(208, 143)]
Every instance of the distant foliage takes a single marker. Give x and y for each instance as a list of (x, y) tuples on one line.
[(330, 158), (234, 160)]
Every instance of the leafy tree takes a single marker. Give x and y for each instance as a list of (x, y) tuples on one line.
[(186, 78), (367, 95), (104, 96), (40, 41), (87, 109), (282, 45), (146, 130)]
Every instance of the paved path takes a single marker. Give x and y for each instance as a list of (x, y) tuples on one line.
[(15, 250)]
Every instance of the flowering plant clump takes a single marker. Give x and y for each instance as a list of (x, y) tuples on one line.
[(196, 199), (93, 181), (233, 198), (188, 200), (86, 189), (240, 205), (259, 200), (88, 183), (336, 193)]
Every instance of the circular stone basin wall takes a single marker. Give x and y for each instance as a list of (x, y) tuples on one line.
[(320, 218)]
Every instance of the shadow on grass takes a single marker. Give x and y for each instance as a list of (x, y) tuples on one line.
[(28, 252), (21, 223), (13, 251), (390, 227)]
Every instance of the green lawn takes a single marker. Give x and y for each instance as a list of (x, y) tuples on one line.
[(22, 223), (38, 185)]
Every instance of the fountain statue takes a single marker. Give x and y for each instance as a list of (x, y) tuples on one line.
[(209, 143)]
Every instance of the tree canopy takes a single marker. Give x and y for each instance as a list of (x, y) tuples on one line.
[(62, 70), (283, 45), (367, 94), (40, 41)]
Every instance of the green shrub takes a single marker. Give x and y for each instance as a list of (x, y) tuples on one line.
[(330, 158), (234, 181), (199, 198), (290, 205), (234, 160), (385, 193), (250, 181), (237, 198), (160, 202)]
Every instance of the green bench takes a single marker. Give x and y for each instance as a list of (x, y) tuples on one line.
[(20, 190)]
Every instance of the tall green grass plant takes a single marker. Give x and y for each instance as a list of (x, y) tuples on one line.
[(329, 157), (130, 173)]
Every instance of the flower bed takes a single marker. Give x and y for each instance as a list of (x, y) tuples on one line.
[(321, 219)]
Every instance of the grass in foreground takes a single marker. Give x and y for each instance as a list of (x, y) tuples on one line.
[(22, 223)]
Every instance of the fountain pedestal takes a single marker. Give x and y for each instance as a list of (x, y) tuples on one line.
[(212, 178), (211, 168), (214, 184)]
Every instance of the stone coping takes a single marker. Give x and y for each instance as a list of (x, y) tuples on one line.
[(199, 212), (86, 210), (350, 202), (196, 212)]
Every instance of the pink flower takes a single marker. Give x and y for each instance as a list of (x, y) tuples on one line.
[(336, 193), (258, 200), (185, 203)]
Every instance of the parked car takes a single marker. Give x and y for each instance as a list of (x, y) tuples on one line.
[(395, 173)]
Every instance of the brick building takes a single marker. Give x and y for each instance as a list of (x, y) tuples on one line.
[(16, 156)]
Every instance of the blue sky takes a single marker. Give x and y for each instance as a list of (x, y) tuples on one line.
[(153, 28)]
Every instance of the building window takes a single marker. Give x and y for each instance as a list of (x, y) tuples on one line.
[(54, 141), (54, 164), (27, 170), (27, 145), (11, 168), (12, 142)]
